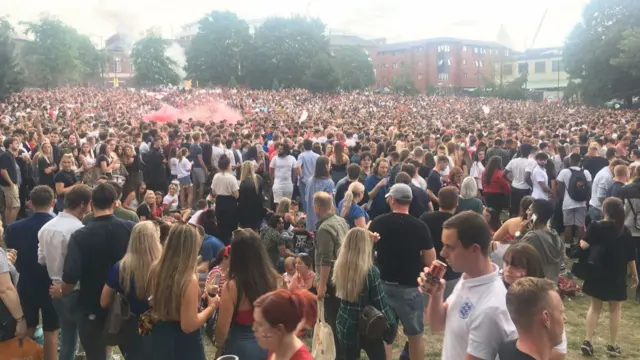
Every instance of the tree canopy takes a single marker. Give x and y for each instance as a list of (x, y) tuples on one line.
[(600, 51), (152, 66), (10, 73)]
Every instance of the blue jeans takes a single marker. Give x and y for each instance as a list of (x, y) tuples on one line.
[(595, 214), (303, 196), (68, 340), (242, 343), (407, 303), (169, 342)]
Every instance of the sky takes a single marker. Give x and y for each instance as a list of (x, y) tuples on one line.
[(394, 20)]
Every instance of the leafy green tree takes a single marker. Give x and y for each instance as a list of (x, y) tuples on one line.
[(53, 53), (354, 67), (10, 73), (283, 49), (403, 83), (152, 66), (597, 40), (90, 59), (217, 51), (321, 76), (629, 58)]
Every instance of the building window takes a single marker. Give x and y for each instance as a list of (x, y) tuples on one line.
[(117, 64), (523, 68), (506, 52), (475, 50), (395, 65), (540, 66), (386, 65), (464, 62), (419, 76), (444, 48), (479, 63), (465, 75), (557, 66), (443, 76), (464, 48), (401, 64), (507, 69), (449, 62)]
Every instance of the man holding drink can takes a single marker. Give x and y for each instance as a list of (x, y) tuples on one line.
[(474, 317)]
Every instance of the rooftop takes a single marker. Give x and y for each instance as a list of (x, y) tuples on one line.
[(541, 53), (416, 43)]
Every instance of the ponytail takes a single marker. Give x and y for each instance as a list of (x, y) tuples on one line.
[(347, 202)]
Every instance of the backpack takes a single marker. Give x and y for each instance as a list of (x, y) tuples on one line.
[(578, 188)]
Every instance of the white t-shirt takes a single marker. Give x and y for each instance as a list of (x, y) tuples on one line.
[(476, 172), (283, 167), (539, 175), (518, 167), (420, 182), (184, 168), (477, 320), (564, 177), (216, 152), (173, 200), (173, 166), (224, 184)]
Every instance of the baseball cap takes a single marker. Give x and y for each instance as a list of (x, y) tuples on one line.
[(400, 192)]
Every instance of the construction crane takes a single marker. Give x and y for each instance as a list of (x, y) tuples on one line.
[(535, 37)]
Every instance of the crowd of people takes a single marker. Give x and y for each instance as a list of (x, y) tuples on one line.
[(344, 209)]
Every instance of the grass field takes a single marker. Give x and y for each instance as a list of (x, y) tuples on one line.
[(576, 311)]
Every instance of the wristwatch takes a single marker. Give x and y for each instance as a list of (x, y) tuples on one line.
[(518, 235)]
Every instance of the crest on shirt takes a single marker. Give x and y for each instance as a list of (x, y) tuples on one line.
[(466, 309)]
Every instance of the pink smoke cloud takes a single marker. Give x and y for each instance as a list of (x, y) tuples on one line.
[(214, 111)]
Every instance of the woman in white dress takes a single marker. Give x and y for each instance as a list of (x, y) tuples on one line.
[(283, 171)]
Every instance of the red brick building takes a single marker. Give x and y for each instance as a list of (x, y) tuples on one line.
[(450, 65), (118, 64)]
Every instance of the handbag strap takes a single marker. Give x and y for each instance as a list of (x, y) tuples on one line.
[(320, 303), (364, 295), (632, 209)]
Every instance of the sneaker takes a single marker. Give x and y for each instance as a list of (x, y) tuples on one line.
[(614, 350), (587, 348)]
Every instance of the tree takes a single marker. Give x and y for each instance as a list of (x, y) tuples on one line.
[(403, 84), (595, 42), (53, 53), (217, 51), (152, 66), (10, 74), (321, 76), (232, 82), (629, 58), (354, 67), (283, 49)]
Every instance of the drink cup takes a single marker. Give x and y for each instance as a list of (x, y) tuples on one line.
[(436, 273)]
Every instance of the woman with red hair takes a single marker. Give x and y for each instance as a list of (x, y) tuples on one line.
[(278, 315)]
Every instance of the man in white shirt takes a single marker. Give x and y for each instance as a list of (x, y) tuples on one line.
[(216, 152), (474, 317), (540, 179), (574, 211), (518, 167), (53, 238)]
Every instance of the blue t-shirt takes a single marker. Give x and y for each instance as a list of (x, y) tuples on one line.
[(354, 213), (211, 246), (138, 306), (378, 203)]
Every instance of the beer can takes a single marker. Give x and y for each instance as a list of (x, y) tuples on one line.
[(436, 273)]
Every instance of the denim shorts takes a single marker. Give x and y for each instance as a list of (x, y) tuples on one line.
[(407, 304), (186, 180)]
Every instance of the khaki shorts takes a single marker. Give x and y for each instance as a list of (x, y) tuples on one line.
[(11, 197)]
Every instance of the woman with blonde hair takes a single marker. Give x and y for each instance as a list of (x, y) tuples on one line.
[(357, 283), (250, 207), (348, 207), (46, 166), (64, 180), (468, 199), (146, 210), (175, 296), (284, 209), (129, 277)]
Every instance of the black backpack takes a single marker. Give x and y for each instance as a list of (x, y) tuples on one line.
[(578, 188)]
